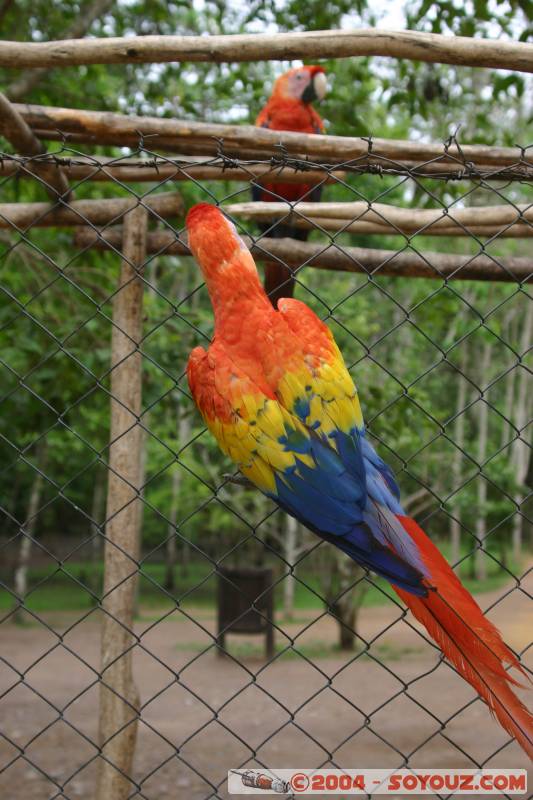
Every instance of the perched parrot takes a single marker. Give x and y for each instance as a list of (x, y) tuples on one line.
[(274, 391), (289, 109)]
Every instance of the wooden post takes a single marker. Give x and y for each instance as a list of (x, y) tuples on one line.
[(119, 699)]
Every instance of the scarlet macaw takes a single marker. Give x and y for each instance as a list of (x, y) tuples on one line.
[(289, 109), (275, 392)]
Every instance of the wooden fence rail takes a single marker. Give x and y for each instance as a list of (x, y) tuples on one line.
[(406, 263), (248, 141), (414, 45), (135, 170), (23, 216), (361, 217)]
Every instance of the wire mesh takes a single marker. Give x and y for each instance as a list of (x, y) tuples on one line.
[(441, 366)]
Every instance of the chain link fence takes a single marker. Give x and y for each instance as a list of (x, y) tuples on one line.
[(431, 309)]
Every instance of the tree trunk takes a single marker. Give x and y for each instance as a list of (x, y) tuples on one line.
[(119, 699), (346, 603), (510, 382), (183, 286), (459, 441), (528, 482), (142, 480), (290, 547), (483, 430), (184, 425), (96, 534), (27, 530), (521, 453)]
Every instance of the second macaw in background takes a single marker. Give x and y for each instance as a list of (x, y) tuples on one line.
[(274, 391), (290, 109)]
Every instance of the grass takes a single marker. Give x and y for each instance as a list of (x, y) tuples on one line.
[(314, 650), (253, 650), (52, 589)]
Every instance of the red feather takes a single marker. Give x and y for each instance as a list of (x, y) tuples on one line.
[(468, 640), (284, 113), (262, 345)]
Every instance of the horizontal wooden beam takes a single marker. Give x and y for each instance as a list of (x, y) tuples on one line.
[(337, 226), (405, 264), (386, 214), (135, 170), (247, 141), (413, 45), (23, 216), (512, 220), (132, 169)]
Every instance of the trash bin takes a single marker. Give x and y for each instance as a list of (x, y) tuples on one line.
[(245, 604)]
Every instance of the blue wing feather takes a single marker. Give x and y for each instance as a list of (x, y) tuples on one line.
[(376, 463), (332, 498), (329, 479)]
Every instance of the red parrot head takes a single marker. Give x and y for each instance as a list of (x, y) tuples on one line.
[(213, 240), (226, 263), (306, 84)]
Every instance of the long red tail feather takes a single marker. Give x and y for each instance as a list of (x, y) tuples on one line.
[(468, 640)]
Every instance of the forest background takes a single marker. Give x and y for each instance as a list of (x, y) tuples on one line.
[(440, 368)]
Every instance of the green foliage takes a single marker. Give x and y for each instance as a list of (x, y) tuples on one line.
[(464, 98), (74, 588), (406, 341)]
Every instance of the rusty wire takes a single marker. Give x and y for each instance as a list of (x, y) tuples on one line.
[(502, 184)]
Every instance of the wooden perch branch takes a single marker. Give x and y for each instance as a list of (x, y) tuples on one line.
[(405, 264), (130, 169), (512, 230), (384, 214), (247, 141), (16, 130), (23, 216), (18, 133), (137, 170), (380, 218), (413, 45)]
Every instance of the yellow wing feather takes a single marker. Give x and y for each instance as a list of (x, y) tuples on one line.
[(321, 381), (251, 426)]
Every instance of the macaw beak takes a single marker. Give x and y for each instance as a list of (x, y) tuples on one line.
[(320, 85), (317, 88)]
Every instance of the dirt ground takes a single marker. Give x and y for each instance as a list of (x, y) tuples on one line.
[(295, 712)]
